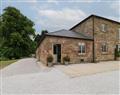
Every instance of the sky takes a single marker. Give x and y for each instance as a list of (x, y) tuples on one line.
[(54, 15)]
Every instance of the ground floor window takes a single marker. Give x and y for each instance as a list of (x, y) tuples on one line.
[(82, 48), (104, 47)]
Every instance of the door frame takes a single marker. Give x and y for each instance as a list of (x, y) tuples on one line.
[(57, 53)]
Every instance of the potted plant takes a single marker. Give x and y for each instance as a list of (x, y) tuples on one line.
[(49, 60), (117, 55), (66, 60)]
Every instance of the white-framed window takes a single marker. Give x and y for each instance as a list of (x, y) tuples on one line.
[(104, 47), (103, 27), (82, 48)]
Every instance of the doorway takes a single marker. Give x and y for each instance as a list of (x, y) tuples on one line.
[(57, 52)]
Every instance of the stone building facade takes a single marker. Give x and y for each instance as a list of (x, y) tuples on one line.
[(103, 31), (69, 46), (108, 37), (99, 35)]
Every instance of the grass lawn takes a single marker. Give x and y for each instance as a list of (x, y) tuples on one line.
[(6, 63)]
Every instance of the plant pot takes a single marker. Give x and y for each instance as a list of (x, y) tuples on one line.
[(118, 58), (66, 63), (49, 64)]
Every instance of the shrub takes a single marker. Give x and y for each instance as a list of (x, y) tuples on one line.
[(117, 53), (49, 58), (66, 58)]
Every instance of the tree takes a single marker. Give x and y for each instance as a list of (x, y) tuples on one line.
[(16, 31), (43, 32), (37, 38)]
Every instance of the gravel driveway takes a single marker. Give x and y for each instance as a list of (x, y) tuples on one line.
[(75, 70), (23, 66), (32, 80)]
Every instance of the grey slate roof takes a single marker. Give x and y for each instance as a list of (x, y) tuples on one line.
[(69, 33)]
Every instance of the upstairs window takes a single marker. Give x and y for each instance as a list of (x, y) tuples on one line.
[(82, 48), (103, 27), (104, 47)]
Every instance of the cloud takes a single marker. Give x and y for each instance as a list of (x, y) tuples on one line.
[(33, 4), (62, 14), (34, 1), (113, 18), (84, 1), (70, 1), (53, 1), (115, 6), (90, 1), (58, 19)]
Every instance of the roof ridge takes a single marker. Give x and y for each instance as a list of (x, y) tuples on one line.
[(56, 31), (93, 15), (105, 18)]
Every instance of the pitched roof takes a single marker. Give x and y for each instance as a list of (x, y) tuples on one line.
[(70, 34), (66, 34), (96, 17)]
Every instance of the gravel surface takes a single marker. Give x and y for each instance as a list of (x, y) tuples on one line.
[(82, 69), (53, 81)]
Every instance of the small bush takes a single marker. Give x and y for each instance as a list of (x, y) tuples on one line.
[(117, 53), (50, 58), (66, 59)]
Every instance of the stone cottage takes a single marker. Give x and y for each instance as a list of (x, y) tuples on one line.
[(93, 39)]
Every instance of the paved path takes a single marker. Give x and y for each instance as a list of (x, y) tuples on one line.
[(75, 70), (32, 80), (55, 82), (23, 66)]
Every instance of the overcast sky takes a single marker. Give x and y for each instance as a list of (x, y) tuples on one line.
[(59, 14)]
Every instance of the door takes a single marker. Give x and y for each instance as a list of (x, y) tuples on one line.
[(57, 52)]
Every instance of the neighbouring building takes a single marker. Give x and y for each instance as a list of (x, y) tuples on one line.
[(93, 39)]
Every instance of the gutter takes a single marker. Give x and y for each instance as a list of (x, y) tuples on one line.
[(93, 42)]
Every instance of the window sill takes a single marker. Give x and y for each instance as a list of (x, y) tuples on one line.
[(81, 53), (104, 53), (104, 31)]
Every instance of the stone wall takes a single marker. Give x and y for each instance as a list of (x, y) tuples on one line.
[(86, 27), (110, 37), (69, 46), (38, 54)]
